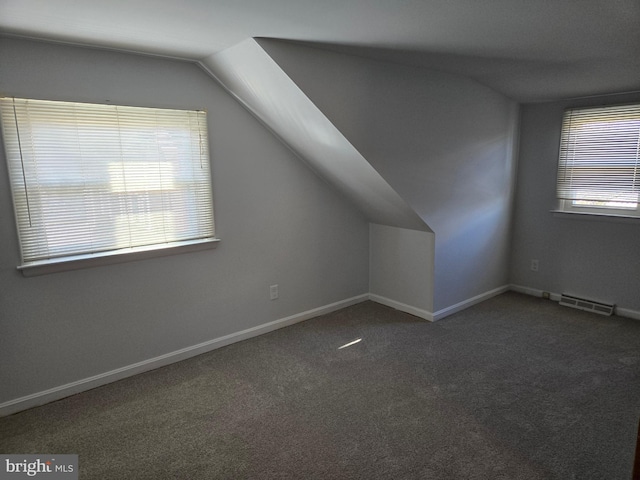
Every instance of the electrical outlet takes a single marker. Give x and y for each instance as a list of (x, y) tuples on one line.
[(534, 265), (273, 292)]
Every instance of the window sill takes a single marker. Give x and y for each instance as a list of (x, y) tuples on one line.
[(595, 217), (55, 265)]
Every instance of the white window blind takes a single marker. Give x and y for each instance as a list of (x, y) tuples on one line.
[(90, 178), (599, 157)]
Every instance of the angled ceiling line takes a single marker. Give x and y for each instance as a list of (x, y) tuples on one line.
[(254, 79)]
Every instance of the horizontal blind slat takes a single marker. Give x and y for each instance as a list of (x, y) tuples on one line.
[(599, 154), (90, 178)]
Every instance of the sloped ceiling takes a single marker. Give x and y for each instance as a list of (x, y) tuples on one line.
[(250, 74), (527, 50)]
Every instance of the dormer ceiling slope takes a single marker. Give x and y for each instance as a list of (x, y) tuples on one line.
[(257, 82)]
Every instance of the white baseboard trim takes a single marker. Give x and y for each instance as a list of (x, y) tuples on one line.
[(534, 292), (445, 312), (62, 391), (57, 393), (403, 307), (627, 313), (440, 314), (619, 311)]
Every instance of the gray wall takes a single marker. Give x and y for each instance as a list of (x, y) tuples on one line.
[(444, 142), (279, 223), (260, 84), (401, 260), (596, 259)]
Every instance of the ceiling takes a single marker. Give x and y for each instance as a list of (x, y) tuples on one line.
[(530, 50)]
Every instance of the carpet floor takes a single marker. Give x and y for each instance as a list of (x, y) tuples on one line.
[(516, 387)]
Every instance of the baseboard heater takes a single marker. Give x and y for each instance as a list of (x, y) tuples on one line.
[(587, 305)]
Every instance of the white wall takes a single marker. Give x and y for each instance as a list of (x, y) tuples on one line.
[(401, 268), (279, 223), (596, 259), (444, 142)]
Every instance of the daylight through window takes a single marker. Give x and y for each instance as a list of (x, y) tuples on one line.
[(90, 178), (598, 169)]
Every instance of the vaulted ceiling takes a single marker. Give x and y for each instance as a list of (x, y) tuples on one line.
[(529, 50)]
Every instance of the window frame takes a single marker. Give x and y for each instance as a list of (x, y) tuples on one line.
[(571, 206), (135, 250)]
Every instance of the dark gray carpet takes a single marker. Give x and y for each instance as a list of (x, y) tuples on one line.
[(513, 388)]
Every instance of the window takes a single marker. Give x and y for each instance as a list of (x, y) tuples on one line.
[(599, 168), (92, 180)]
